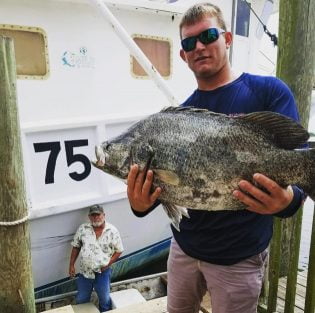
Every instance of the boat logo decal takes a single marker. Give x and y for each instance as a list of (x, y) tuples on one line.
[(80, 59)]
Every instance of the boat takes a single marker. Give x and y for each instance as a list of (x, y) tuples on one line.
[(141, 294), (123, 293), (81, 80)]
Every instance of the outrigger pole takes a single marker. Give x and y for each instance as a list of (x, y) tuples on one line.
[(135, 51)]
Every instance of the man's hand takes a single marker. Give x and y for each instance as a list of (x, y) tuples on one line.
[(139, 187), (112, 260), (261, 202), (104, 268), (71, 271)]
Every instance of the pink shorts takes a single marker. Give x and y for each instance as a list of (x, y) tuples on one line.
[(233, 289)]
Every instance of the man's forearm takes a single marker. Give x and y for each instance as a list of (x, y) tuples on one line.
[(297, 201), (114, 258), (74, 255)]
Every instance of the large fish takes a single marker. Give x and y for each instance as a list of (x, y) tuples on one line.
[(198, 157)]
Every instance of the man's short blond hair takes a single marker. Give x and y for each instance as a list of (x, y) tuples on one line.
[(200, 10)]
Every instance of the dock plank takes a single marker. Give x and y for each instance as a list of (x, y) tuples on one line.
[(300, 293)]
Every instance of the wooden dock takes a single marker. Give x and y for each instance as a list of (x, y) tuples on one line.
[(159, 305), (300, 293)]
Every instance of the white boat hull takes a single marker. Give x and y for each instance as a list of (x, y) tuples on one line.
[(89, 93), (144, 239)]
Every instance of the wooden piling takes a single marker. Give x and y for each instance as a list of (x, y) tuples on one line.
[(295, 66), (17, 291)]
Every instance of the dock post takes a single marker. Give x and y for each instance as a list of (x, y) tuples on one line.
[(296, 68), (17, 290)]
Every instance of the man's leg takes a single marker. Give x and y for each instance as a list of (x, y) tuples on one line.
[(235, 288), (85, 287), (186, 285), (102, 288)]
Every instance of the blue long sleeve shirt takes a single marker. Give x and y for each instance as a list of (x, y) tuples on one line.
[(227, 237)]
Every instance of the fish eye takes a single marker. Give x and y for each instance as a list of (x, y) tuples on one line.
[(108, 146)]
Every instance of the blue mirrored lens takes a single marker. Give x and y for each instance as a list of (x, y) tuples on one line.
[(189, 44), (209, 35)]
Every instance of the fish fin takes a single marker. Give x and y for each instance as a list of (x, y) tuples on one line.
[(285, 132), (168, 177), (175, 213), (188, 110)]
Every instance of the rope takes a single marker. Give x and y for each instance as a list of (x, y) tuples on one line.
[(17, 222), (273, 37)]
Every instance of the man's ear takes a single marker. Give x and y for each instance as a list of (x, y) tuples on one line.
[(228, 39), (183, 55)]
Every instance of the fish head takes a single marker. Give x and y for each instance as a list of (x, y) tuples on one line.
[(113, 157)]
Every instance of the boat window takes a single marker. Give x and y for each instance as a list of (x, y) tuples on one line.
[(157, 50), (242, 18), (30, 45)]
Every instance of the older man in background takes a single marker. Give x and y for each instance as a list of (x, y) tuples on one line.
[(100, 245)]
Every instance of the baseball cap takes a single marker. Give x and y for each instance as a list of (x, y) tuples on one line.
[(96, 209)]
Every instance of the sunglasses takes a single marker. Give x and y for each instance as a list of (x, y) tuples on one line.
[(205, 37)]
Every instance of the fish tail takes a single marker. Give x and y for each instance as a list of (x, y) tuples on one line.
[(310, 189), (175, 213)]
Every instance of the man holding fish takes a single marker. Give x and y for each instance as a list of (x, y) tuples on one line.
[(221, 251)]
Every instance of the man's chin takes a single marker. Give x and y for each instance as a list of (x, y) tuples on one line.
[(97, 224), (204, 73)]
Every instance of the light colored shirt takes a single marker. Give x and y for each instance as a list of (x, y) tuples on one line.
[(96, 252)]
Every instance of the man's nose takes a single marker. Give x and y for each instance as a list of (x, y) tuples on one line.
[(199, 45)]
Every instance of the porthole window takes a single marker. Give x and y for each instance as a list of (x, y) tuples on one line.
[(158, 51), (31, 54), (242, 18)]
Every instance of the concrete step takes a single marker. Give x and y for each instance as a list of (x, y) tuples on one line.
[(151, 306), (123, 298), (78, 308), (64, 309), (85, 308)]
